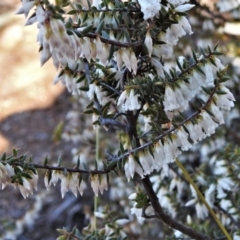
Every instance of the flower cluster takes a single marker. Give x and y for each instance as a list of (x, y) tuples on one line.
[(177, 97), (138, 210), (69, 180), (166, 150), (25, 180)]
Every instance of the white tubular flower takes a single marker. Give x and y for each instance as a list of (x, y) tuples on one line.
[(129, 102), (236, 236), (27, 184), (93, 88), (122, 98), (224, 183), (150, 8), (103, 186), (45, 54), (186, 25), (218, 63), (82, 187), (162, 195), (118, 58), (175, 99), (132, 102), (122, 222), (208, 25), (138, 213), (202, 211), (73, 179), (147, 162), (59, 30), (184, 8), (170, 102), (30, 21), (131, 166), (159, 155), (158, 66), (34, 181), (86, 48), (55, 176), (183, 139), (178, 30), (171, 39), (102, 50), (47, 181), (195, 131), (210, 195), (26, 7), (218, 115), (126, 57), (170, 149), (208, 124), (100, 215), (64, 184), (208, 70), (162, 50), (149, 43), (133, 61), (133, 196), (195, 82), (224, 101), (98, 183), (24, 191), (94, 178)]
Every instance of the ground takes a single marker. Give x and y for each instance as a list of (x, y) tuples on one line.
[(30, 108)]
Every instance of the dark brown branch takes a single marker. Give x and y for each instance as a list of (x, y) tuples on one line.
[(112, 42), (39, 166), (165, 217), (110, 10)]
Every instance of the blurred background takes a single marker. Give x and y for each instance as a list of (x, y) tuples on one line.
[(30, 108)]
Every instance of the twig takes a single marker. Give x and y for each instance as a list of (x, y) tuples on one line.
[(165, 217), (109, 121), (109, 87)]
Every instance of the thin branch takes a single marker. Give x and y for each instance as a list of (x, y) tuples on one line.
[(109, 87), (119, 114), (40, 166), (112, 42), (165, 217), (109, 121), (110, 10)]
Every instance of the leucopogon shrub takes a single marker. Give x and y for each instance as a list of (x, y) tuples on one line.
[(122, 60)]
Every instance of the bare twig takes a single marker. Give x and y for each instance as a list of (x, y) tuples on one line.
[(165, 217)]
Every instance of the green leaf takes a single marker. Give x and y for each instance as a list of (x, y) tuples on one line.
[(14, 152), (87, 29), (72, 12), (45, 161), (100, 27), (3, 156), (59, 161), (84, 88)]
